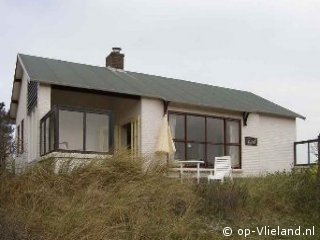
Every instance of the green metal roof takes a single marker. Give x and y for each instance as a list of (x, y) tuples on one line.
[(50, 71)]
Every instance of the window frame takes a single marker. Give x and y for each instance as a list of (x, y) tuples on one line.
[(206, 142), (54, 113), (18, 140), (22, 137)]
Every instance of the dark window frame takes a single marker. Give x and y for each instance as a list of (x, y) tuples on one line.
[(206, 142), (54, 113)]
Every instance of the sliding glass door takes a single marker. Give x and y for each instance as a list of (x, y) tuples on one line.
[(205, 137)]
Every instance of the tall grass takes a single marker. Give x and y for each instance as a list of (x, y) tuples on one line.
[(116, 199)]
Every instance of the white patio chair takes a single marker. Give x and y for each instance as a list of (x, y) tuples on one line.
[(222, 169)]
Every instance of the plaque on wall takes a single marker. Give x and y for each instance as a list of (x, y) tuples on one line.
[(251, 141)]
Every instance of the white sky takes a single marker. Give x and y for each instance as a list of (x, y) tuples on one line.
[(269, 47)]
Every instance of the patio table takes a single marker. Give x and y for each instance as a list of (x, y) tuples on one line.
[(191, 162)]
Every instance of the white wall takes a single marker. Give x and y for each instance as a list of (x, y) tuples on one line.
[(125, 110), (31, 122), (22, 159), (151, 118), (42, 107), (276, 143), (251, 159)]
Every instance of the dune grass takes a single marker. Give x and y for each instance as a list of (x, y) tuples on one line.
[(116, 199)]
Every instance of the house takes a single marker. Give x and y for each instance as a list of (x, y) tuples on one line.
[(63, 109)]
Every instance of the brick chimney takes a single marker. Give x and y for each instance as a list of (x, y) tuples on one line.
[(115, 59)]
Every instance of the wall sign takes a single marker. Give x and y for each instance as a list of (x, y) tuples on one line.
[(251, 141)]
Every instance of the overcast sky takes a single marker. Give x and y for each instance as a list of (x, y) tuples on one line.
[(269, 47)]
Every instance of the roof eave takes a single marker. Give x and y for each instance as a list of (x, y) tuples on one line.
[(16, 87)]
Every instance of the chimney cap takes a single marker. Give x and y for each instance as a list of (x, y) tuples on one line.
[(116, 49)]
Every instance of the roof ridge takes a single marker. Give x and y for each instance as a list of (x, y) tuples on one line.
[(59, 60), (134, 72)]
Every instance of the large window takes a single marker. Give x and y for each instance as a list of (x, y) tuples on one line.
[(205, 137), (70, 129)]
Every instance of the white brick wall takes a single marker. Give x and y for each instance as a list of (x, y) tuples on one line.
[(151, 117), (125, 110), (276, 143), (251, 163), (44, 99), (43, 107)]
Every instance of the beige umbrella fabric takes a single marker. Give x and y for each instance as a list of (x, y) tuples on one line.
[(165, 143)]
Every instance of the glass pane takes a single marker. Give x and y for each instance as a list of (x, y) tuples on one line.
[(302, 153), (51, 133), (212, 152), (180, 151), (234, 153), (97, 132), (42, 138), (176, 123), (313, 152), (47, 134), (195, 151), (232, 131), (215, 130), (195, 128), (70, 130)]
